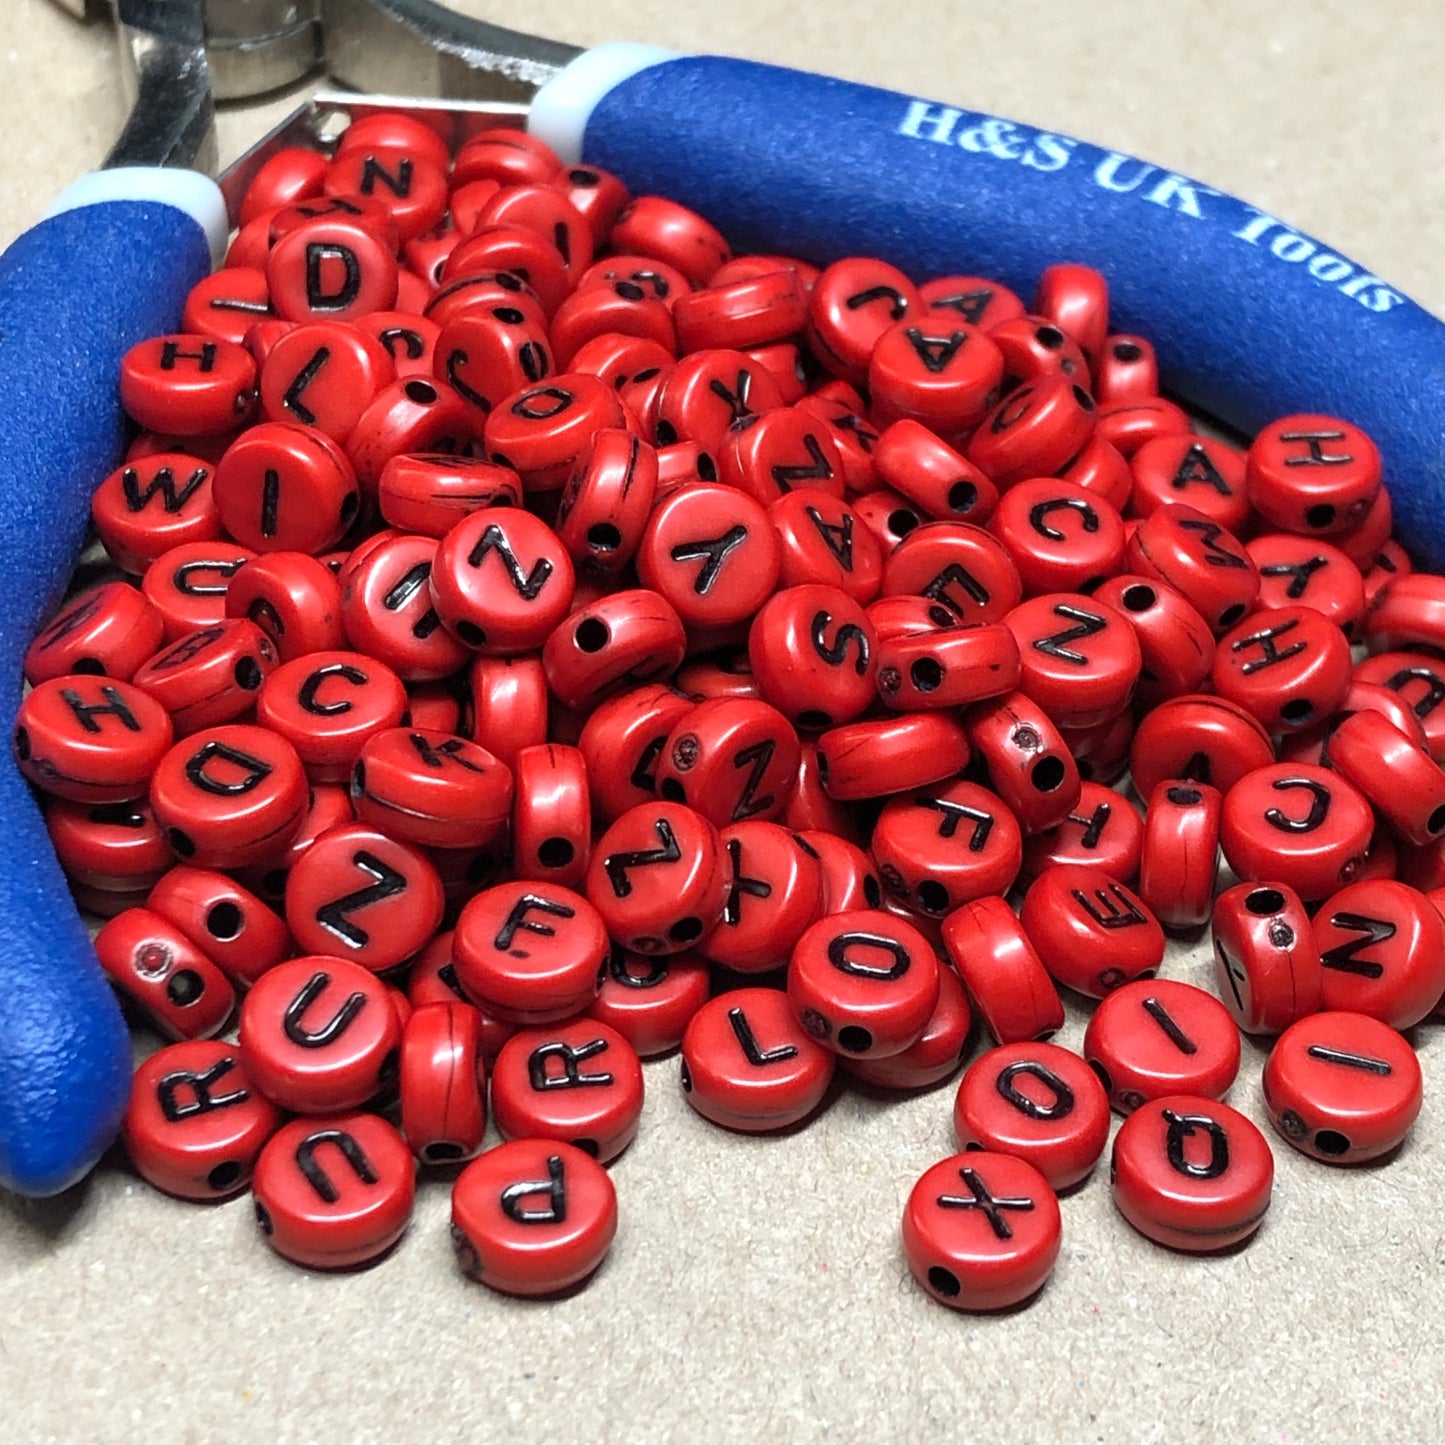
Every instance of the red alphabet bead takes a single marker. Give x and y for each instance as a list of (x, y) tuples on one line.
[(824, 542), (1342, 1087), (329, 807), (532, 1217), (1103, 831), (188, 385), (441, 1080), (1029, 764), (1035, 1102), (624, 638), (650, 1001), (187, 584), (1313, 474), (1287, 667), (1034, 431), (552, 815), (871, 759), (1176, 645), (607, 501), (210, 676), (1010, 988), (542, 431), (814, 654), (331, 268), (922, 467), (1092, 932), (228, 303), (1191, 1173), (1266, 960), (410, 341), (1309, 572), (323, 375), (108, 630), (1126, 370), (1129, 424), (1198, 737), (195, 1124), (977, 299), (1033, 346), (852, 303), (1299, 825), (91, 739), (1180, 861), (177, 989), (224, 920), (1061, 537), (784, 451), (948, 668), (149, 505), (508, 704), (294, 599), (981, 1231), (580, 1082), (934, 1055), (749, 1065), (1201, 472), (621, 741), (1155, 1037), (960, 567), (1199, 557), (335, 1192), (411, 184), (114, 846), (946, 374), (1398, 777), (429, 494), (731, 759), (412, 414), (1079, 659), (1420, 681)]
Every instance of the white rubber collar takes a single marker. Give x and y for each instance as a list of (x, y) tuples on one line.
[(561, 109), (189, 191)]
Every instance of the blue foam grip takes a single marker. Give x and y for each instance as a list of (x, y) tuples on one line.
[(1252, 319), (75, 293)]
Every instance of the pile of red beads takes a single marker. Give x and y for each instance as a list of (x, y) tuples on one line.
[(548, 641)]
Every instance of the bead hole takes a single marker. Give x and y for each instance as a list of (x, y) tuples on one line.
[(591, 634), (901, 521), (555, 853), (932, 896), (1231, 615), (224, 1176), (1049, 337), (442, 1151), (1436, 821), (1127, 351), (814, 719), (855, 1038), (1047, 774), (603, 537), (962, 497), (1086, 402), (685, 930), (423, 393), (1264, 901), (1139, 598), (926, 674), (1331, 1142), (224, 921), (247, 673), (1297, 710), (944, 1281), (1320, 515)]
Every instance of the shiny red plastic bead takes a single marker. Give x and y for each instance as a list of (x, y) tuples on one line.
[(90, 739), (432, 788), (1035, 1102), (532, 1217), (360, 895), (852, 433), (329, 807), (441, 1081), (1409, 612), (825, 542), (1034, 431), (1342, 1087), (659, 877), (656, 227), (948, 667), (934, 1056), (1129, 424), (1103, 831), (188, 385), (390, 130), (1076, 299), (976, 299), (579, 1081), (1176, 644), (1033, 346), (597, 194), (410, 341), (1092, 932), (411, 184), (753, 311), (1079, 659), (323, 375), (1287, 667), (1191, 1173), (848, 877), (1313, 474), (1198, 737), (1126, 369), (919, 465), (429, 494), (1029, 764), (621, 742), (1382, 567), (295, 601), (942, 846), (224, 920), (748, 1064), (530, 953), (291, 174), (1299, 825), (624, 638), (864, 983), (331, 268), (226, 305), (177, 989), (981, 1231), (852, 303), (195, 1124), (187, 584), (1398, 777), (1199, 557), (210, 676), (775, 892), (319, 1035), (327, 704), (1156, 1037), (147, 506), (871, 759), (334, 1192), (783, 451), (413, 414), (946, 374), (710, 393), (607, 501), (1309, 572), (551, 815), (1201, 472), (1419, 680), (1266, 960), (108, 846), (504, 154), (731, 759), (1180, 861), (958, 566), (1101, 470), (1382, 949), (651, 1001), (542, 431), (508, 704), (814, 654), (485, 354), (1010, 988), (1061, 537), (502, 580), (1311, 746), (109, 630), (1101, 751)]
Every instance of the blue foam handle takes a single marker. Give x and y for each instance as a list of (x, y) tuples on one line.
[(1252, 319), (75, 292)]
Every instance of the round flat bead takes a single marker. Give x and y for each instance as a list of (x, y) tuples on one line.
[(1076, 299), (823, 541), (962, 568), (1029, 764), (551, 815), (441, 1081), (532, 1216), (329, 807), (1033, 346), (323, 375), (210, 676), (1313, 474), (872, 758), (1156, 1037), (1191, 1173), (932, 1057), (921, 466), (109, 631), (330, 268), (814, 655), (176, 988), (319, 1035), (1176, 646), (1307, 571), (1103, 831), (944, 373), (1295, 824), (1092, 933), (508, 704), (1405, 785), (228, 303), (294, 599), (1034, 431), (1287, 667), (188, 385), (606, 503), (411, 184), (852, 303), (775, 892), (952, 667), (1200, 737), (731, 759), (149, 505), (1196, 555), (1130, 423), (651, 1001), (1011, 990), (409, 340), (1079, 659), (671, 232), (978, 300), (1342, 1087), (1035, 1102), (1419, 680), (195, 1124), (224, 920), (334, 1192), (429, 494), (542, 430), (412, 414), (187, 584), (108, 845), (1266, 961), (1201, 472), (748, 1064), (621, 742), (981, 1231), (1180, 861), (623, 638), (783, 451), (1061, 537)]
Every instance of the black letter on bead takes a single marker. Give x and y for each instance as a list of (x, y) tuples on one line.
[(256, 771), (757, 755), (1319, 807), (292, 399), (821, 469), (171, 353), (840, 943), (1264, 640), (329, 1032), (753, 887), (1093, 825), (897, 305), (528, 585), (164, 482), (935, 352), (181, 577), (187, 648), (837, 536), (1181, 1126), (533, 405), (737, 399), (954, 814), (1301, 572), (1089, 624), (985, 1201), (318, 299), (1063, 1104), (1109, 913), (657, 971), (389, 883), (1172, 1031), (1376, 930), (373, 171), (1214, 554), (571, 1077), (1434, 693), (518, 921), (1196, 467), (306, 695), (848, 633), (754, 1055), (1316, 456), (969, 304), (1350, 1061), (617, 864), (448, 751), (113, 706), (712, 553), (553, 1186), (317, 1177), (200, 1085), (937, 590), (1038, 516)]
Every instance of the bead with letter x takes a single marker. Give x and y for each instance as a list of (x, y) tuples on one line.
[(982, 1199)]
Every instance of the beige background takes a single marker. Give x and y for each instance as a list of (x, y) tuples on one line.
[(756, 1290)]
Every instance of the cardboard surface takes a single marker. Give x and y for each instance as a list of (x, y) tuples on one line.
[(757, 1290)]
